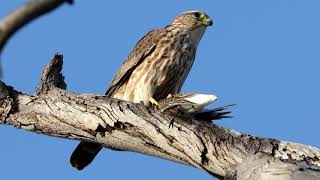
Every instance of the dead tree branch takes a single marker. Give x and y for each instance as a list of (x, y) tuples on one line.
[(265, 166), (133, 127)]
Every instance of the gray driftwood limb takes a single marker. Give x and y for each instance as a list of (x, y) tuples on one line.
[(25, 14), (133, 127)]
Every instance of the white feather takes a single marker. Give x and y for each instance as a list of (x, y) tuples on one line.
[(202, 99)]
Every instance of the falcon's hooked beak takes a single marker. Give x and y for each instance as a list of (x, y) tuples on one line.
[(209, 22), (206, 19)]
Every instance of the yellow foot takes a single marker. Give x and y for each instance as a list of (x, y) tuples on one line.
[(153, 102), (169, 96)]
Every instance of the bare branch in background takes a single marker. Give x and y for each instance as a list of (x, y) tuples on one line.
[(23, 15)]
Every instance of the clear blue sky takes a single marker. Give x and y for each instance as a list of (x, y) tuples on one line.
[(262, 55)]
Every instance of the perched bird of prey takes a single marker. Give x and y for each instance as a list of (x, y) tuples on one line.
[(157, 66), (191, 106)]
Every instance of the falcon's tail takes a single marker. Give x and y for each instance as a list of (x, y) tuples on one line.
[(83, 155), (214, 114)]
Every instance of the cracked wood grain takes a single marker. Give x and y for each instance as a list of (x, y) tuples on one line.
[(133, 127), (121, 125), (265, 166), (51, 76)]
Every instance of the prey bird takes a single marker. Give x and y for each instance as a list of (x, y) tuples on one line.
[(157, 66), (191, 106)]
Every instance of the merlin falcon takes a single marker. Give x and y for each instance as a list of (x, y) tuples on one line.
[(157, 66)]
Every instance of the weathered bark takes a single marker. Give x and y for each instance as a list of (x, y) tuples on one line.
[(264, 166), (133, 127)]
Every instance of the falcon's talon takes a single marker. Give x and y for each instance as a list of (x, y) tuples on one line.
[(153, 102), (169, 96)]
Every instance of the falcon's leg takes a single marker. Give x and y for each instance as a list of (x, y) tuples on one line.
[(171, 123), (169, 96)]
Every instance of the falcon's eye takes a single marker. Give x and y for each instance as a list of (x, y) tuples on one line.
[(196, 14)]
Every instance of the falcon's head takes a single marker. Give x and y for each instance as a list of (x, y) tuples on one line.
[(192, 19)]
